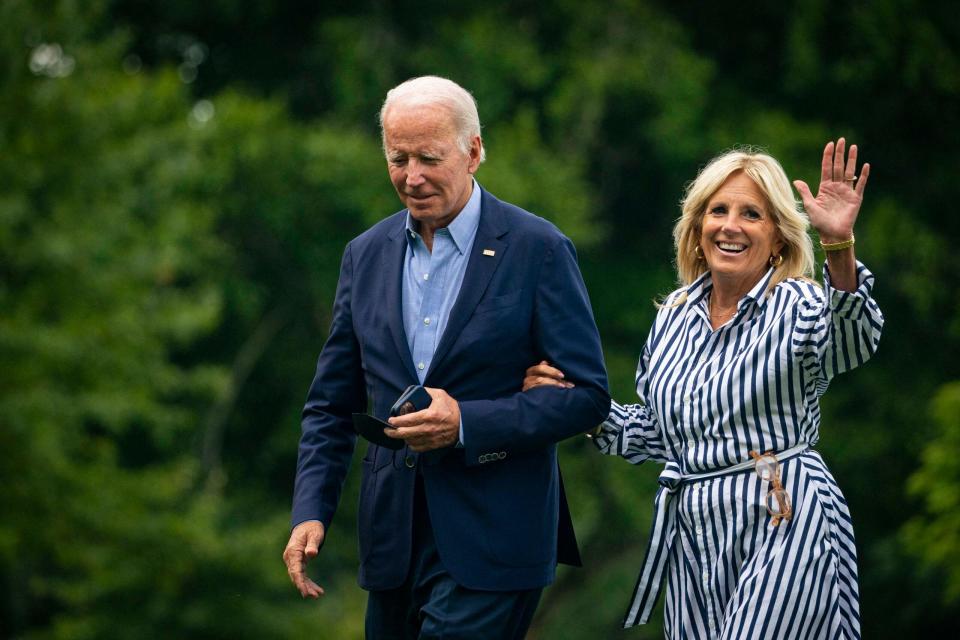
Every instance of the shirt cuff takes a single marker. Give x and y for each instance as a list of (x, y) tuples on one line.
[(605, 439), (849, 304)]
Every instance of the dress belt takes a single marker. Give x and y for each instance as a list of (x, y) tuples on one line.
[(663, 532)]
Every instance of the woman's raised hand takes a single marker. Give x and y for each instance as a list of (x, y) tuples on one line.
[(834, 210), (543, 374)]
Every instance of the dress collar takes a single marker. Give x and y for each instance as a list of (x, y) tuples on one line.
[(699, 289)]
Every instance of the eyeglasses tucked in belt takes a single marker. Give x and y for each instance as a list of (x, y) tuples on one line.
[(777, 500)]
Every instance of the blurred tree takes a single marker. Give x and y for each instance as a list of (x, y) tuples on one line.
[(120, 269), (934, 535)]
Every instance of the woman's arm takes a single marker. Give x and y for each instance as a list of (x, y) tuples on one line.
[(835, 330), (841, 330), (630, 431), (834, 210)]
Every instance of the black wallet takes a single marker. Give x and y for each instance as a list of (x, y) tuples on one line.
[(413, 398), (372, 429)]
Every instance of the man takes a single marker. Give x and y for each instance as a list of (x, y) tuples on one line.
[(462, 528)]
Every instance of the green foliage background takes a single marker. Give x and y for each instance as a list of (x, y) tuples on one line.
[(178, 179)]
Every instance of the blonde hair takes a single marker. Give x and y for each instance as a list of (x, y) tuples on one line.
[(434, 90), (789, 218)]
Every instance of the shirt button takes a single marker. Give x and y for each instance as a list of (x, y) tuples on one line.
[(690, 443), (699, 530), (410, 461), (420, 366), (426, 321), (426, 276), (686, 398), (706, 578)]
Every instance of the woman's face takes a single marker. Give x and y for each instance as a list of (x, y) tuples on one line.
[(738, 234)]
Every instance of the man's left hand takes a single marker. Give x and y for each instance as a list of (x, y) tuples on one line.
[(435, 427)]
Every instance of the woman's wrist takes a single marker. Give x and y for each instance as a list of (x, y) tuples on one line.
[(829, 244)]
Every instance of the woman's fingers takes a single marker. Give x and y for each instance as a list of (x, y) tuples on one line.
[(532, 370), (541, 381), (543, 374), (545, 370), (826, 163), (838, 160), (850, 172), (862, 180), (804, 192)]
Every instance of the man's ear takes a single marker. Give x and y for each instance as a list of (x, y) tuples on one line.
[(476, 149)]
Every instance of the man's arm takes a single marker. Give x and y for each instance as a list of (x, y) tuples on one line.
[(327, 438), (565, 334), (327, 435)]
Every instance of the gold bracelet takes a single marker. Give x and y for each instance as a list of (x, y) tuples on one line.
[(838, 246)]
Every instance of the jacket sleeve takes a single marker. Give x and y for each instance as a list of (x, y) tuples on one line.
[(327, 435), (565, 334)]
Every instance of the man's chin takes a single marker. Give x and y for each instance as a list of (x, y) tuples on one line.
[(421, 210)]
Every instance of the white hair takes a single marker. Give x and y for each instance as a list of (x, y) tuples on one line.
[(434, 90)]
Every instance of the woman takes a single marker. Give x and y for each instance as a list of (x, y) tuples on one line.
[(750, 530)]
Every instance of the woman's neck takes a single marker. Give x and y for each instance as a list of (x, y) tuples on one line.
[(728, 290)]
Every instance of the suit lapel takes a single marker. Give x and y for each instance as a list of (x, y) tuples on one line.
[(392, 268), (480, 268)]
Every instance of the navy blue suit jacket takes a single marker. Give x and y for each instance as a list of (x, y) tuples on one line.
[(496, 505)]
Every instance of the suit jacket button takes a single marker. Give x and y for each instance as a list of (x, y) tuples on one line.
[(410, 461)]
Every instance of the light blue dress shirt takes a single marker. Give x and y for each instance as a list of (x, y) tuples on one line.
[(431, 281)]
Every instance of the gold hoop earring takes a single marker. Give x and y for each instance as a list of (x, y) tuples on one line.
[(698, 251), (776, 261)]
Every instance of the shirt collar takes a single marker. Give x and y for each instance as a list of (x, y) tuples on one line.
[(759, 291), (698, 289), (463, 228)]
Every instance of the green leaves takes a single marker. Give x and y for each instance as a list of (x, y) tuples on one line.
[(934, 535)]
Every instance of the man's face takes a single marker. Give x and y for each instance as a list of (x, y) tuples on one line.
[(432, 176)]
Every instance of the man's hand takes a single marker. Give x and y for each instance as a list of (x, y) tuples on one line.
[(304, 544), (435, 427)]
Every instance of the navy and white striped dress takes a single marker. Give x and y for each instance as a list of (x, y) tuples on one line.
[(707, 398)]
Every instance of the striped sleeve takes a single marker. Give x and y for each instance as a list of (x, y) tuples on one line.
[(632, 431), (837, 331)]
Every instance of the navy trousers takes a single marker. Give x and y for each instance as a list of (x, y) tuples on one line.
[(430, 605)]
